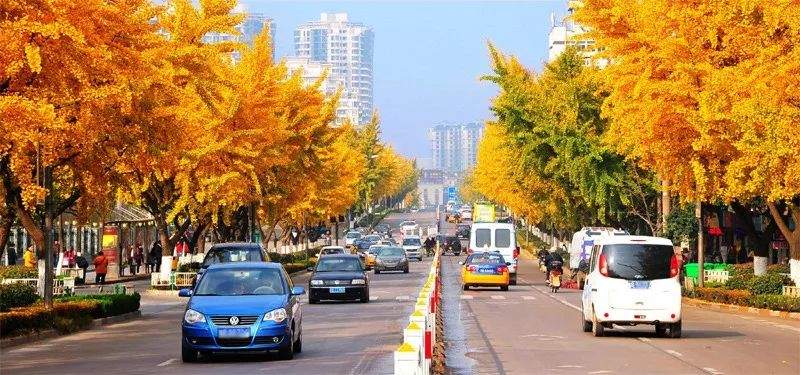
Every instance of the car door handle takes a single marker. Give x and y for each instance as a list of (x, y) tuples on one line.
[(594, 289)]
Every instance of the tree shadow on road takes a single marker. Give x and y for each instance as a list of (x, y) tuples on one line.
[(687, 334)]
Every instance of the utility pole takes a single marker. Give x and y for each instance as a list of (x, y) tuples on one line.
[(698, 213)]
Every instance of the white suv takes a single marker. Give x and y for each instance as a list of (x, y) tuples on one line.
[(632, 280)]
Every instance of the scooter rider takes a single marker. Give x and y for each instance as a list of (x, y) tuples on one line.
[(429, 244), (554, 260)]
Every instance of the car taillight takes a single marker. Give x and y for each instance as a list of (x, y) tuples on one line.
[(469, 250), (674, 266), (472, 268), (516, 253), (502, 269), (603, 265)]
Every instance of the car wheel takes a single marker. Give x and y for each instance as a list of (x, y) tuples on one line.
[(405, 270), (366, 298), (313, 301), (597, 328), (504, 288), (675, 330), (587, 324), (466, 287), (377, 271), (298, 345), (513, 280), (661, 330), (287, 353), (188, 355)]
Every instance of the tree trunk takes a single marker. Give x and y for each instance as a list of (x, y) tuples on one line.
[(5, 229), (666, 205), (792, 236)]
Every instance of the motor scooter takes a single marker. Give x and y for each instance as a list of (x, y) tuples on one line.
[(555, 276)]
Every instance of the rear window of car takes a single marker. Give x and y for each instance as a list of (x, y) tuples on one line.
[(502, 238), (411, 242), (354, 235), (332, 251), (391, 252), (638, 261), (486, 258), (338, 264), (215, 256), (483, 237)]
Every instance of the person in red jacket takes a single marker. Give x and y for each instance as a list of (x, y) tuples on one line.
[(100, 268)]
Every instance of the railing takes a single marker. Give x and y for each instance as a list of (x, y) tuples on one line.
[(792, 291), (716, 276), (60, 285), (177, 279)]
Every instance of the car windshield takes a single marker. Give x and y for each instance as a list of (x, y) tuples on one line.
[(483, 237), (486, 258), (638, 261), (391, 252), (411, 242), (239, 282), (339, 264), (353, 235), (215, 256), (502, 238), (408, 223), (372, 237)]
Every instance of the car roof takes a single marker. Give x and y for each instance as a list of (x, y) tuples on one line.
[(236, 245), (411, 237), (333, 247), (648, 240), (342, 256), (229, 265)]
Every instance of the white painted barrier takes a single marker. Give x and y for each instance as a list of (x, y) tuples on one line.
[(415, 354), (792, 291), (716, 276)]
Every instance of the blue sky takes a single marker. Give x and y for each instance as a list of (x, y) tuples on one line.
[(429, 55)]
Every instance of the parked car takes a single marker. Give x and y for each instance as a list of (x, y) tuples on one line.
[(452, 245), (391, 258), (485, 269), (339, 277), (412, 245), (462, 231), (231, 252), (331, 250), (242, 307), (496, 237), (632, 280), (351, 237)]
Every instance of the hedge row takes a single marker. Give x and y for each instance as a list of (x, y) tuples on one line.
[(746, 298), (18, 272), (769, 283), (68, 314), (17, 295)]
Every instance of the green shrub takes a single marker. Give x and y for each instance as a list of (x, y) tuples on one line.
[(64, 317), (109, 304), (776, 302), (739, 281), (778, 268), (740, 269), (18, 272), (189, 267), (17, 295), (768, 284), (720, 295)]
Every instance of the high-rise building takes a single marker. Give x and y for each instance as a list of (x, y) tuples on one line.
[(347, 47), (454, 148), (248, 29), (566, 33)]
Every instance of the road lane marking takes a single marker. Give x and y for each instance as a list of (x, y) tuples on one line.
[(645, 339), (498, 297), (402, 298), (466, 297), (675, 353), (713, 370), (569, 366), (528, 298), (167, 362), (600, 372), (373, 298)]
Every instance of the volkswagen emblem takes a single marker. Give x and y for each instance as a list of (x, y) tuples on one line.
[(276, 339), (234, 320)]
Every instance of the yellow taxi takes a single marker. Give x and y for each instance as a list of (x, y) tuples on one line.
[(485, 269)]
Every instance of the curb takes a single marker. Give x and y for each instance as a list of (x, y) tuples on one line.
[(51, 333), (740, 309)]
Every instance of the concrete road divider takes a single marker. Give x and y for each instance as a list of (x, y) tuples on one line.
[(414, 355)]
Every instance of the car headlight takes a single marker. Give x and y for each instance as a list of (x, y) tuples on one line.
[(316, 282), (359, 282), (193, 317), (277, 315)]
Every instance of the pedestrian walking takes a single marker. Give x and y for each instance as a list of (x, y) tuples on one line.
[(100, 268), (29, 258), (155, 255), (83, 264), (131, 259), (138, 256), (71, 254)]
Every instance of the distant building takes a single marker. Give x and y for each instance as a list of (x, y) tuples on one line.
[(348, 48), (566, 33), (454, 148), (249, 29)]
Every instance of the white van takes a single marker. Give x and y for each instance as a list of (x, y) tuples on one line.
[(499, 237), (581, 247), (632, 280)]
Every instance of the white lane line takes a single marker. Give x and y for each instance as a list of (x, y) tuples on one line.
[(674, 353), (713, 370), (373, 298), (466, 297), (528, 298), (645, 339), (402, 298), (167, 362), (569, 366), (498, 297), (600, 372)]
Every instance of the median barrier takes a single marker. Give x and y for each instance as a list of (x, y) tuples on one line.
[(415, 354)]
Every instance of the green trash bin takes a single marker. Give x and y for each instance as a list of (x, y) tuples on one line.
[(691, 268)]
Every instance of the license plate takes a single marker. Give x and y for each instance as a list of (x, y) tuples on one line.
[(338, 289), (486, 271), (234, 333), (640, 284)]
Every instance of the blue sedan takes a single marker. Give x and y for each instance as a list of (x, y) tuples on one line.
[(242, 307)]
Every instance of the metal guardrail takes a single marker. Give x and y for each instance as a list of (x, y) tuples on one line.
[(792, 291)]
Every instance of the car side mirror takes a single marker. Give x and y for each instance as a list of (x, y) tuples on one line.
[(185, 292), (298, 291)]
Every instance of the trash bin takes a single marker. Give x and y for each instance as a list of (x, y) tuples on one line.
[(691, 269)]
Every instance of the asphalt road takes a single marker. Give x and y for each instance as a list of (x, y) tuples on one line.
[(529, 330), (338, 338)]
